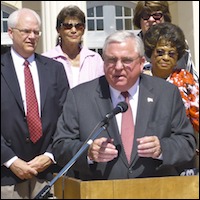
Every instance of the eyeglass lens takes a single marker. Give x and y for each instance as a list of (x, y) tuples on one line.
[(28, 31), (68, 26), (156, 16), (124, 61), (161, 52)]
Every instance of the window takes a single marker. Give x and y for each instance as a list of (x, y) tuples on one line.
[(95, 18), (124, 17), (100, 51), (5, 39), (103, 18), (4, 25)]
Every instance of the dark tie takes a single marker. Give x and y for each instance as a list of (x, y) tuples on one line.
[(33, 119), (127, 128)]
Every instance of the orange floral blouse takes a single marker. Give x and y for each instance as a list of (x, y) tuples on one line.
[(189, 90)]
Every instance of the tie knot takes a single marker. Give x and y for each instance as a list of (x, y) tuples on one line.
[(26, 63), (125, 94)]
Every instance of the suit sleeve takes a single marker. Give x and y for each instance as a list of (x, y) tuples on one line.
[(180, 146)]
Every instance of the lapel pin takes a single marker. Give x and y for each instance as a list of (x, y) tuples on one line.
[(149, 99)]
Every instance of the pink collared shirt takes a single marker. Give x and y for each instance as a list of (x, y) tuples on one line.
[(91, 64)]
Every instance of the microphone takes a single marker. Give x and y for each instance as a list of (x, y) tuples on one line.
[(120, 108)]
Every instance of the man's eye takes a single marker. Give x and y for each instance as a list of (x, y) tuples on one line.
[(127, 60), (112, 60), (27, 31)]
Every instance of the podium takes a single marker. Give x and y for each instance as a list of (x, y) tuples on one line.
[(171, 187)]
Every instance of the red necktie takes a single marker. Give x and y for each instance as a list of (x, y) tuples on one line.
[(33, 119), (127, 128)]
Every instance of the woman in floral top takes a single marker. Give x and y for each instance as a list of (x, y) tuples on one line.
[(165, 44)]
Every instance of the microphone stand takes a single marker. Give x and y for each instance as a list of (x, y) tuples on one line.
[(43, 194)]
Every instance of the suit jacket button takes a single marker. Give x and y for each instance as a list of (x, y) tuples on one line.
[(130, 170), (27, 139)]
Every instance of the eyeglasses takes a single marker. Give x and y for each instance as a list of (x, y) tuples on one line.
[(78, 26), (29, 31), (126, 61), (156, 16), (160, 52)]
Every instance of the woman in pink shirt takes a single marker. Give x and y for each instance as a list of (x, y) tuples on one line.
[(81, 64)]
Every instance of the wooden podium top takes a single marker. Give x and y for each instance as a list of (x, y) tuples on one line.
[(173, 187)]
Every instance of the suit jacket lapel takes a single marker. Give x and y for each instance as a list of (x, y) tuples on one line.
[(43, 78), (103, 98), (145, 105), (10, 76), (105, 106)]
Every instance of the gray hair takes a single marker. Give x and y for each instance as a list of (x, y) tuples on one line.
[(14, 16), (121, 36)]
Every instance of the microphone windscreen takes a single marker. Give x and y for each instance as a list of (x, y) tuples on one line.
[(123, 106)]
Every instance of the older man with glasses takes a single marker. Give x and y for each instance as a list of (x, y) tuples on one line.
[(159, 135), (33, 89)]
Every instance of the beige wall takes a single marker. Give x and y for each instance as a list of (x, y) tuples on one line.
[(35, 5), (186, 15), (13, 4), (195, 52)]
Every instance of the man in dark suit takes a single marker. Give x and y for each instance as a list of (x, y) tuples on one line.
[(163, 135), (26, 166)]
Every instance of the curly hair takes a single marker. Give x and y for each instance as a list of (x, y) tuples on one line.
[(149, 7), (167, 32)]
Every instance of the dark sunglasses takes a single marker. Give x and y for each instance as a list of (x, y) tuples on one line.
[(161, 52), (156, 16), (78, 26)]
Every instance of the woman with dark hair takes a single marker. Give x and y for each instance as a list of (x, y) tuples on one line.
[(148, 13), (165, 45), (81, 64)]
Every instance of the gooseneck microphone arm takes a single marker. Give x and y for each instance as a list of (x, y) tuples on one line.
[(121, 107), (44, 192)]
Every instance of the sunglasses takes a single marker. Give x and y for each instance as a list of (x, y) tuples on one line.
[(78, 26), (171, 54), (156, 16)]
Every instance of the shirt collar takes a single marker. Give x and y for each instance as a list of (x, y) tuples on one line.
[(132, 91), (20, 59)]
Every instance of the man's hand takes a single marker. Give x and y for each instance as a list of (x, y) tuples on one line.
[(40, 163), (102, 150), (22, 170), (149, 146)]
